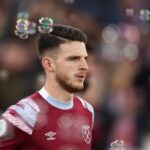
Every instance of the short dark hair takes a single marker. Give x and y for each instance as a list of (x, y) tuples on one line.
[(59, 35)]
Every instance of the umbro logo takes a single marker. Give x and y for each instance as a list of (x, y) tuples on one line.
[(51, 135)]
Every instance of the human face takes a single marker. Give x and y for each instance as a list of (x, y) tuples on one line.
[(71, 66)]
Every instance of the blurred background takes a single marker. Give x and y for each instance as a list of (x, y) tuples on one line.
[(118, 81)]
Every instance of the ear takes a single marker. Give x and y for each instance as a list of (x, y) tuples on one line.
[(48, 64)]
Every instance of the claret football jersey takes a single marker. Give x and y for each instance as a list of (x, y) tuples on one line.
[(41, 122)]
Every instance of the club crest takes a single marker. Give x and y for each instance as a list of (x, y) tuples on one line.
[(86, 133)]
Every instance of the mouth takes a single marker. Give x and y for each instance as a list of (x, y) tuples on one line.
[(80, 77)]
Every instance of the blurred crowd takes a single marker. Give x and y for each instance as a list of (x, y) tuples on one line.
[(118, 80)]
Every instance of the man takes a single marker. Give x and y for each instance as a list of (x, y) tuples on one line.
[(53, 118)]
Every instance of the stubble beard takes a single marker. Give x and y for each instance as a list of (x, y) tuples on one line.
[(64, 83)]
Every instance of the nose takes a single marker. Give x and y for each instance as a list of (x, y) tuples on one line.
[(83, 64)]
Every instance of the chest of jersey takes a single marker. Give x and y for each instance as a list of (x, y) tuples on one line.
[(62, 130)]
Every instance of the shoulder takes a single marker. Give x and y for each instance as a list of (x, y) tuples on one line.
[(23, 115), (85, 104)]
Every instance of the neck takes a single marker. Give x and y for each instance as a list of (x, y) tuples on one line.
[(58, 92)]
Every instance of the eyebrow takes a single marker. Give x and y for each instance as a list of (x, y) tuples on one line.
[(75, 57)]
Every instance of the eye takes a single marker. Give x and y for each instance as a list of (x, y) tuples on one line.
[(86, 58), (74, 58)]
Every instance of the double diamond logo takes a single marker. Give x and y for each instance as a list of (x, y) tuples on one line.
[(50, 135), (86, 133)]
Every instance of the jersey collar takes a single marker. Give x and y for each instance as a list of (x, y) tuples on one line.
[(55, 102)]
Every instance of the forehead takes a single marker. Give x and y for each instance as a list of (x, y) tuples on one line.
[(73, 48)]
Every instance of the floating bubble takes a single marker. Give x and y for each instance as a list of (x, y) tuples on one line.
[(131, 51), (144, 15), (22, 25), (24, 36), (40, 80), (32, 28), (4, 74), (129, 12), (117, 145), (110, 34), (131, 32), (110, 52), (23, 15), (46, 25), (65, 121)]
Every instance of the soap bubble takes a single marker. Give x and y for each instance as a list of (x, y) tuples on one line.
[(144, 15), (23, 15), (4, 74), (32, 28), (46, 25), (22, 25), (129, 12), (117, 145)]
